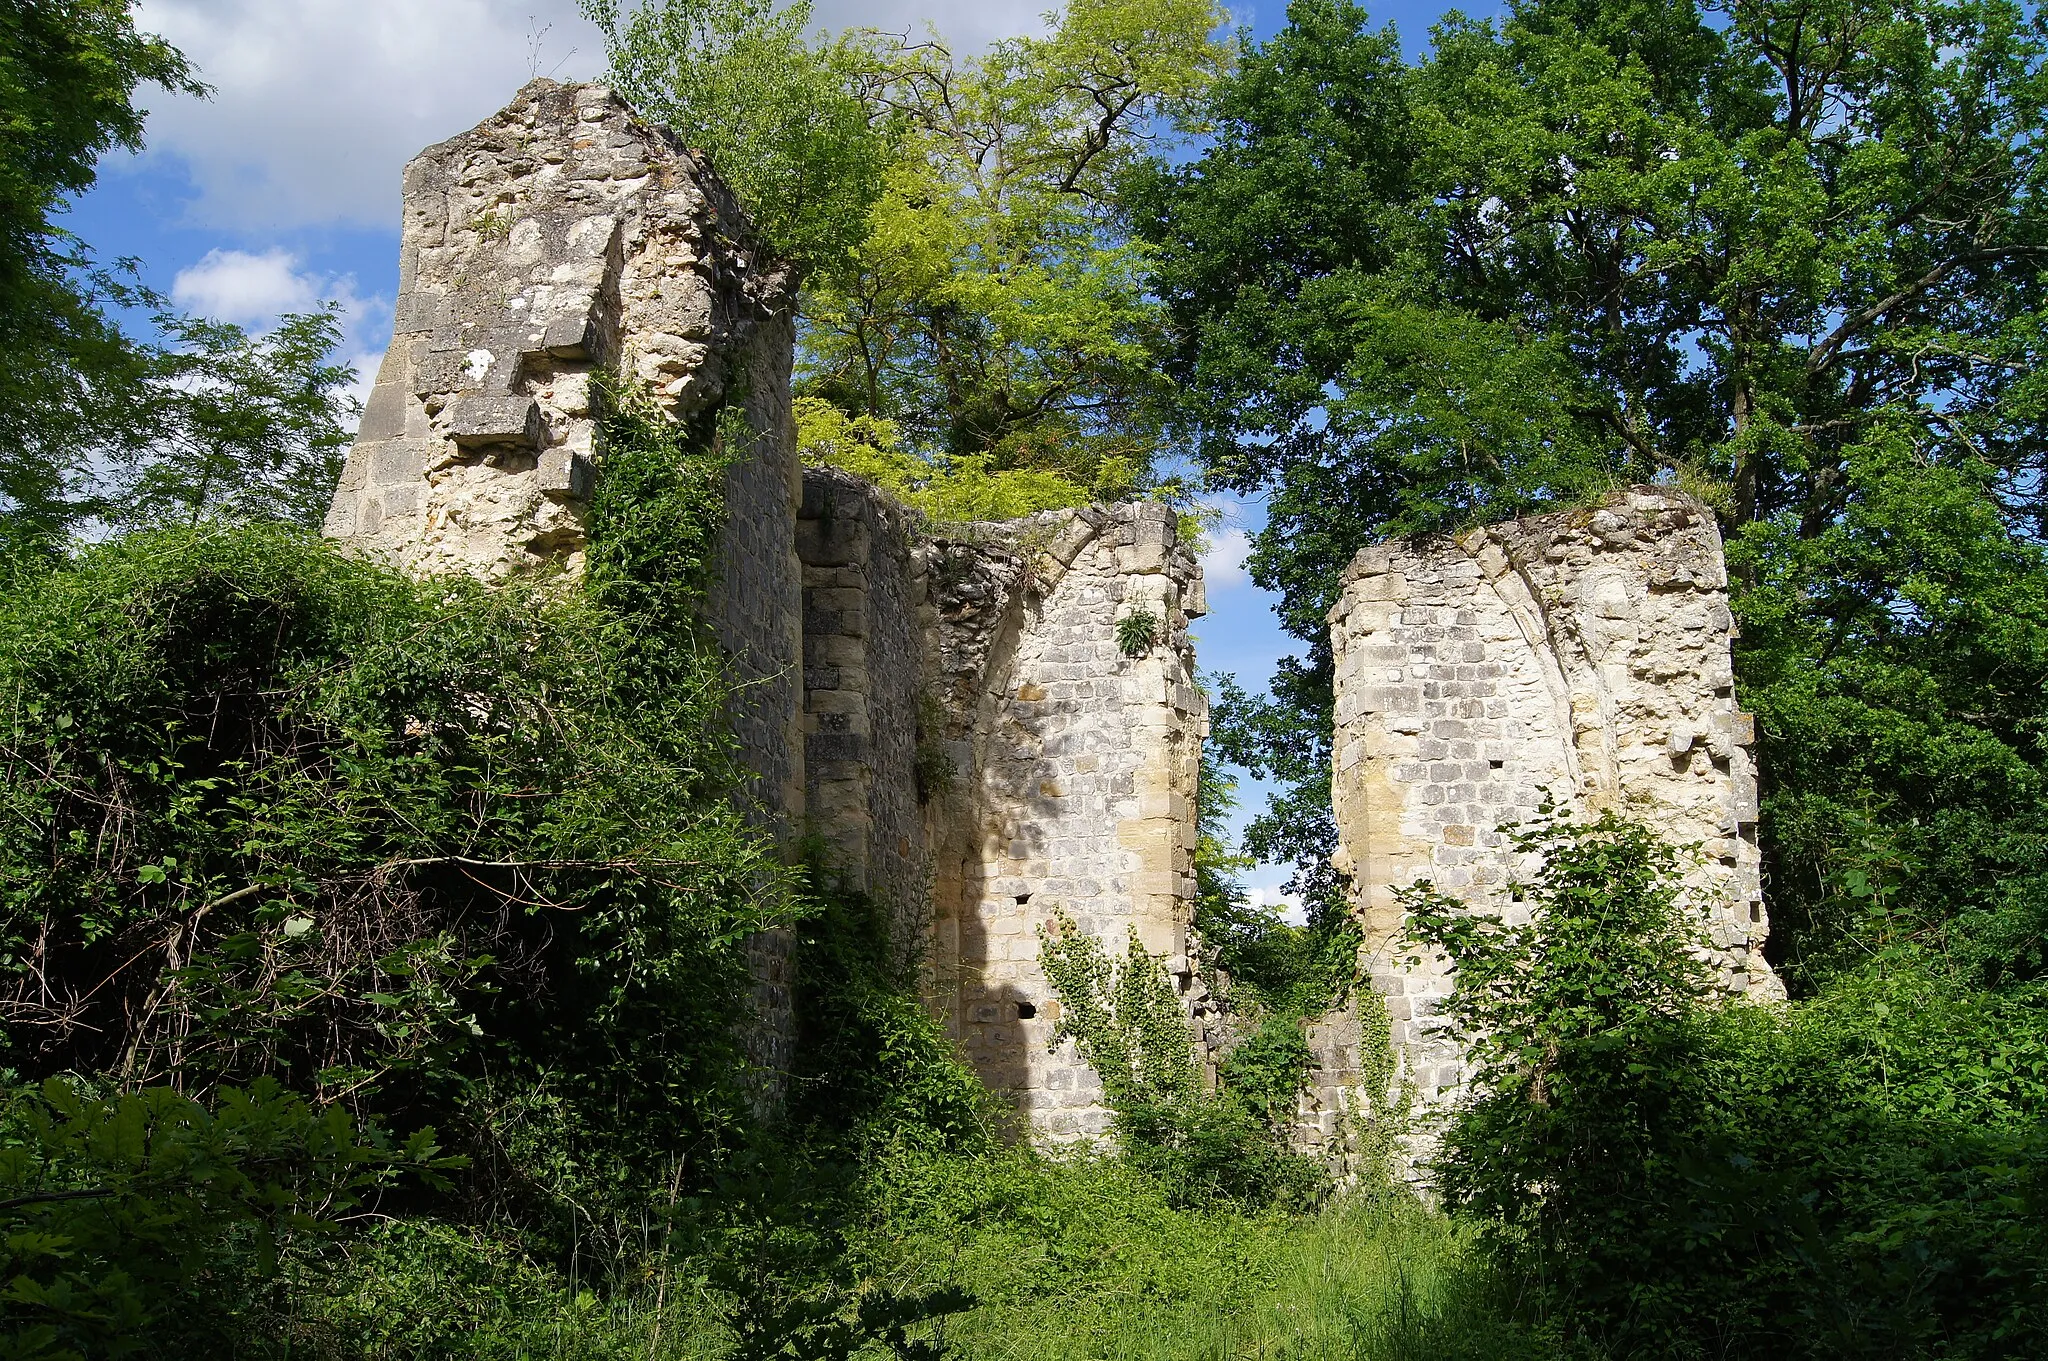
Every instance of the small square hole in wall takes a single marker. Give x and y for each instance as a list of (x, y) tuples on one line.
[(1023, 898), (1025, 1011), (1495, 765)]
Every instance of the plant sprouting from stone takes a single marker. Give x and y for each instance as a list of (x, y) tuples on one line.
[(742, 81), (1137, 632)]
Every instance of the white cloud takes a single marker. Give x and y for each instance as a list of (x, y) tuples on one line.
[(254, 290), (249, 290), (1223, 561), (1263, 888), (320, 103)]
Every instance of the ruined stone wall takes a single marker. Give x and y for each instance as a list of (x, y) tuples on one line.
[(559, 237), (984, 758), (1586, 654), (949, 714), (1075, 780), (863, 686)]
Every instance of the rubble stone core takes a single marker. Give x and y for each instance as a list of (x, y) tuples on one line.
[(1585, 654)]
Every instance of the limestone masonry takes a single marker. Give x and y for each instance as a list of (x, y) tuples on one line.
[(947, 708), (950, 713), (1585, 654)]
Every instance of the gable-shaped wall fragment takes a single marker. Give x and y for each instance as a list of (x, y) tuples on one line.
[(1583, 655)]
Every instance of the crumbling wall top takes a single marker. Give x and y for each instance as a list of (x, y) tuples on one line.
[(561, 236)]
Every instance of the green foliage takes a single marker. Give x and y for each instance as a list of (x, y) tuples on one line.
[(1785, 253), (1137, 632), (947, 490), (1859, 1175), (875, 1067), (1606, 240), (1130, 1025), (1605, 948), (68, 74), (780, 118), (1085, 1256), (149, 1215), (995, 308), (1268, 962), (438, 852), (241, 428), (1897, 661)]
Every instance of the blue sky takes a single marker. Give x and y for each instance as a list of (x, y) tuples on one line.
[(281, 191)]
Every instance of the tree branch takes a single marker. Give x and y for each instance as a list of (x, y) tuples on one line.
[(1824, 354)]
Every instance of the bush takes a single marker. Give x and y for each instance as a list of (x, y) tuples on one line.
[(150, 1215), (1132, 1028), (1859, 1175)]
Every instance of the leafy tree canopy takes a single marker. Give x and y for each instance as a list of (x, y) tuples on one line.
[(996, 309), (968, 277), (68, 74), (1788, 254), (742, 81)]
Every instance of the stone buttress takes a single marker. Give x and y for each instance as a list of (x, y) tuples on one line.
[(1585, 654)]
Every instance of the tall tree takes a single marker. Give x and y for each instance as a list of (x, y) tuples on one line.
[(240, 427), (997, 309), (777, 112), (1787, 252), (69, 70)]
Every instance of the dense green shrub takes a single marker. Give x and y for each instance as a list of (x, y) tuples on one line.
[(437, 853), (1897, 661), (1859, 1175), (148, 1215), (1126, 1019)]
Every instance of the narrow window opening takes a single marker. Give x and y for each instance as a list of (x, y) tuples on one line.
[(1495, 765), (1756, 912), (1023, 898), (1025, 1011)]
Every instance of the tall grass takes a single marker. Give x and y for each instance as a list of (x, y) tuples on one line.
[(1072, 1259), (1085, 1260)]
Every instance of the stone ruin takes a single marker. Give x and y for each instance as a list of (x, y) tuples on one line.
[(949, 709), (1582, 656), (950, 712)]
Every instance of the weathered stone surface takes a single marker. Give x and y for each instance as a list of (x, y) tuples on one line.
[(1584, 654), (1057, 774), (1078, 778)]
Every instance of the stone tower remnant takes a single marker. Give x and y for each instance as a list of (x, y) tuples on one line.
[(1584, 655), (949, 711)]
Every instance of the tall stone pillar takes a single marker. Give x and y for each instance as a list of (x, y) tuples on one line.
[(560, 237)]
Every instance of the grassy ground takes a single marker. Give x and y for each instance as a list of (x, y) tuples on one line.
[(1078, 1260), (1087, 1261)]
